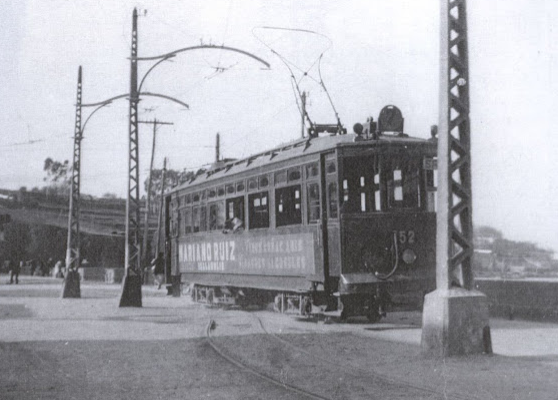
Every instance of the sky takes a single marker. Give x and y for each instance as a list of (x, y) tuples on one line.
[(375, 53)]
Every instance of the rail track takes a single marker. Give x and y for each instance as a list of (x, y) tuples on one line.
[(248, 369), (359, 372), (338, 364)]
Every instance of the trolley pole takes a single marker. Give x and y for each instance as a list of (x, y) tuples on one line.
[(131, 288), (455, 317), (144, 254), (303, 112), (71, 287)]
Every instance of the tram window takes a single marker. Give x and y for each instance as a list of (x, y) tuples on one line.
[(332, 199), (176, 227), (312, 170), (287, 206), (377, 193), (430, 165), (358, 185), (280, 177), (216, 216), (221, 191), (230, 189), (258, 210), (313, 202), (293, 174), (252, 184), (403, 184), (397, 185), (235, 208), (239, 187), (264, 181), (187, 221), (203, 218), (196, 219)]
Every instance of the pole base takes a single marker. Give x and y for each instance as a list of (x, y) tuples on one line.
[(454, 323), (70, 287), (131, 291), (175, 288)]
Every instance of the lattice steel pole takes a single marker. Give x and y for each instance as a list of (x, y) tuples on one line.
[(131, 289), (455, 318), (71, 287)]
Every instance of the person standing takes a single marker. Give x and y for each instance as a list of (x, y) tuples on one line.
[(158, 267), (14, 272)]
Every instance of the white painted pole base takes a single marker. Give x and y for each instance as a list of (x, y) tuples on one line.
[(455, 322)]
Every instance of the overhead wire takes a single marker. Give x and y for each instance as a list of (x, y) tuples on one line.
[(304, 72)]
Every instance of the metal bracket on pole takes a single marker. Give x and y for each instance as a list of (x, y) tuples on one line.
[(455, 317), (71, 286)]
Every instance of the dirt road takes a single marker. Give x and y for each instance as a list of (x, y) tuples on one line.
[(88, 348)]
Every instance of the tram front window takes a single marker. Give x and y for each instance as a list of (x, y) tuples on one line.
[(402, 178), (358, 186)]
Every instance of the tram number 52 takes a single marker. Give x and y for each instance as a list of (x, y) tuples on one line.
[(405, 236)]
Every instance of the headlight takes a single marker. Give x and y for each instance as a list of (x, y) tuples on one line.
[(409, 256)]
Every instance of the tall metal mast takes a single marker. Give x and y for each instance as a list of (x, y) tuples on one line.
[(71, 286), (455, 318), (131, 289)]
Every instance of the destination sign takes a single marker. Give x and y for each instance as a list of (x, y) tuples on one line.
[(291, 254)]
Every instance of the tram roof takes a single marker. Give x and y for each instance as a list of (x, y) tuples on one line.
[(294, 149)]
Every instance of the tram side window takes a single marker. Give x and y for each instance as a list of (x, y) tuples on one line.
[(332, 199), (235, 209), (196, 219), (187, 221), (176, 230), (258, 210), (203, 218), (287, 206), (403, 184), (313, 202), (216, 216)]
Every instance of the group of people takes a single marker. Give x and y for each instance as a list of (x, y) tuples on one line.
[(36, 268)]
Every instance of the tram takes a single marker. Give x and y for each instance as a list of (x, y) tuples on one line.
[(332, 222)]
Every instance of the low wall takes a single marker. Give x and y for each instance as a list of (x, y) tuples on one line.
[(92, 274), (113, 275), (530, 299)]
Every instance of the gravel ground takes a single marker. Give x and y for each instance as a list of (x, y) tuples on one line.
[(89, 348)]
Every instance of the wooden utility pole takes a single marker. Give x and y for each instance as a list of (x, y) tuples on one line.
[(155, 123), (455, 317), (161, 205)]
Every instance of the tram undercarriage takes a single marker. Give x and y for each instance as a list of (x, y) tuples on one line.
[(342, 306)]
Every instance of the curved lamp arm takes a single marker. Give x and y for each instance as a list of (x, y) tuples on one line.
[(90, 115), (104, 102), (206, 46), (151, 69)]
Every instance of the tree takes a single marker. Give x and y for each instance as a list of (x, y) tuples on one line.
[(57, 172), (172, 178), (58, 181)]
